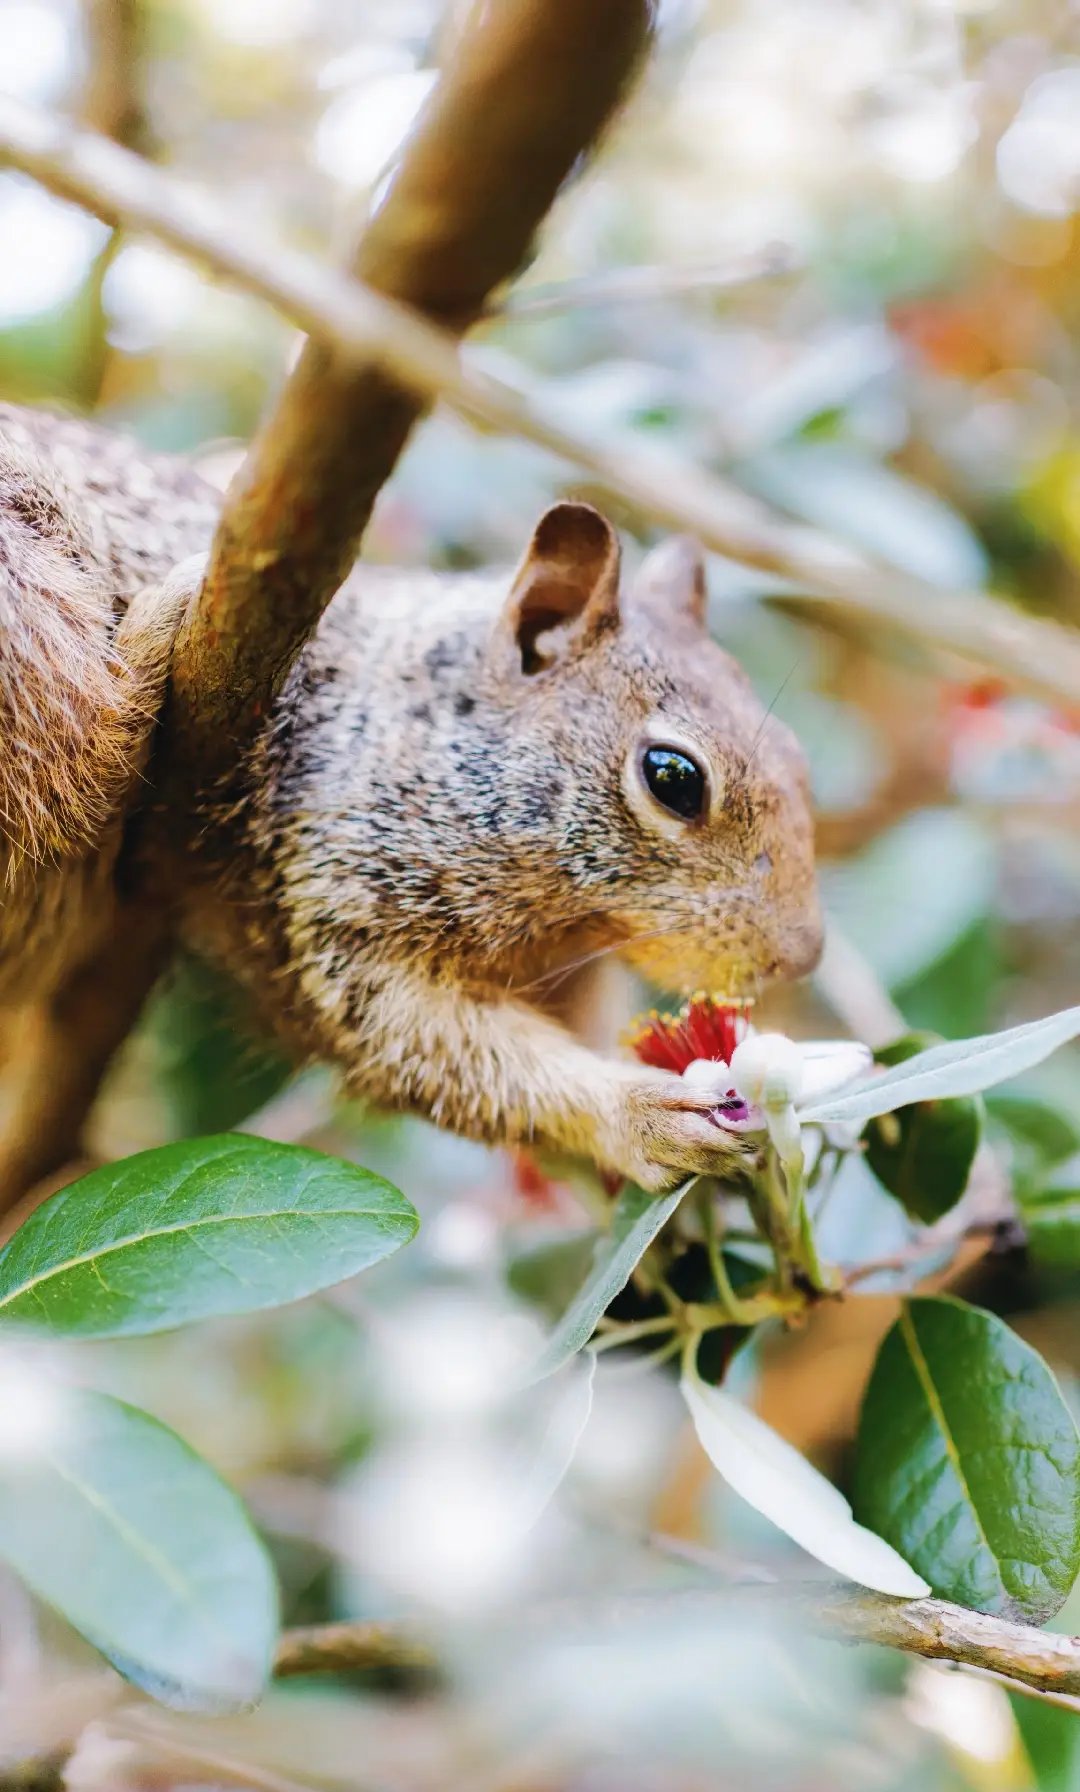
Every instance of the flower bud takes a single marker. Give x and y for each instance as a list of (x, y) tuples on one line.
[(767, 1069)]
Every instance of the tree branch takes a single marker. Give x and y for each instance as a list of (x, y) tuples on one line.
[(938, 1631), (1031, 653), (111, 104), (347, 1649), (112, 100), (529, 87), (930, 1628)]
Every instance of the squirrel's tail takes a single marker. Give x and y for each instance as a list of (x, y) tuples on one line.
[(64, 726)]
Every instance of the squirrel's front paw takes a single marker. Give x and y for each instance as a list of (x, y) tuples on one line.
[(661, 1128)]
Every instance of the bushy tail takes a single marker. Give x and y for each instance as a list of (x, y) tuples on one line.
[(64, 706)]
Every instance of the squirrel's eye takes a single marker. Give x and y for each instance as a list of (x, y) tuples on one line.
[(675, 781)]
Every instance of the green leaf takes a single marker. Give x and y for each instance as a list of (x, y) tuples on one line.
[(968, 1461), (115, 1522), (211, 1072), (1052, 1216), (1034, 1134), (959, 1067), (637, 1219), (1051, 1739), (210, 1226), (923, 1154), (550, 1273)]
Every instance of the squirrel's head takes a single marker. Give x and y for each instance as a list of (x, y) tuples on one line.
[(676, 806)]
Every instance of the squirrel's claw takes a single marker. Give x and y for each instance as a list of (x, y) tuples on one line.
[(664, 1127)]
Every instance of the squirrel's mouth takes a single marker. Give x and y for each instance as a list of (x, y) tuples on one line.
[(732, 977), (733, 955)]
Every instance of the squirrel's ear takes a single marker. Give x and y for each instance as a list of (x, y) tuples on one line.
[(671, 580), (566, 587)]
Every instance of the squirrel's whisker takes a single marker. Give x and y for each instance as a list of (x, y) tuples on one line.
[(767, 717), (577, 964)]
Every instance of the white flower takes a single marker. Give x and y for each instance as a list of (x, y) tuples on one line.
[(770, 1074), (771, 1071)]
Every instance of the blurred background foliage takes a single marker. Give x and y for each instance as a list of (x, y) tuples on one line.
[(874, 203)]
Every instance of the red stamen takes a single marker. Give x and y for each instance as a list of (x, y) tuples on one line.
[(704, 1028)]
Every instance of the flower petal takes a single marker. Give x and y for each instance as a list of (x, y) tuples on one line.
[(829, 1064), (774, 1478), (767, 1069), (711, 1080), (709, 1076)]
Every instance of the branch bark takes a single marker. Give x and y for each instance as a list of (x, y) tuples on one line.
[(1032, 654), (931, 1628), (348, 1648), (112, 100), (938, 1631), (112, 104), (528, 89)]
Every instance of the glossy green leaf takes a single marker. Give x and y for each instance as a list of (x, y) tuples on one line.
[(959, 1067), (210, 1226), (1051, 1216), (114, 1521), (968, 1461), (637, 1219), (923, 1154)]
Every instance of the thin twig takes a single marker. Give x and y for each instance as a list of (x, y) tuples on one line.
[(113, 105), (939, 1631), (1037, 1660), (644, 285), (1031, 653), (930, 1628), (928, 1248), (348, 1648)]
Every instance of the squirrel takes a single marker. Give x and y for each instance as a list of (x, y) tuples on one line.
[(470, 784)]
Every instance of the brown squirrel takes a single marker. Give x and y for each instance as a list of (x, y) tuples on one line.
[(469, 784)]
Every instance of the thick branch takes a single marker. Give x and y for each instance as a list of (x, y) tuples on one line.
[(112, 101), (529, 87), (1033, 654), (931, 1628)]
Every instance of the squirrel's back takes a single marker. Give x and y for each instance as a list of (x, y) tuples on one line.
[(87, 518)]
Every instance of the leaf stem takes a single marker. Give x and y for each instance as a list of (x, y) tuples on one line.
[(736, 1309), (616, 1334)]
